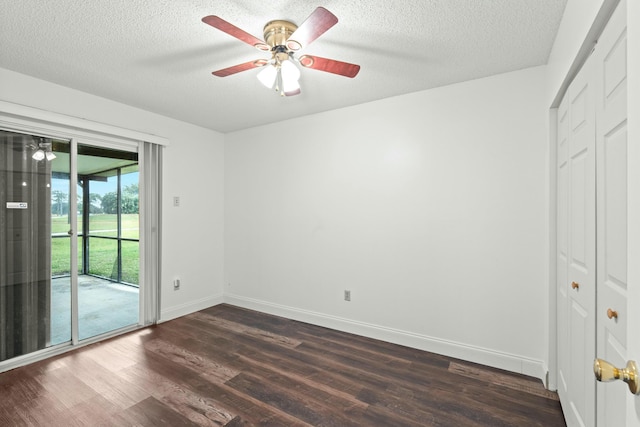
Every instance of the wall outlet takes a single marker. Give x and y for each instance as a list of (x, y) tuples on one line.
[(176, 201), (347, 295), (176, 284)]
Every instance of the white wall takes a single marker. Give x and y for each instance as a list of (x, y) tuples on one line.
[(193, 170), (430, 207)]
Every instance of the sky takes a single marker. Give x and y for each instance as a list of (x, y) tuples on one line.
[(96, 186)]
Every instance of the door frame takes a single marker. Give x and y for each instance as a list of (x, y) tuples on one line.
[(29, 120), (633, 188)]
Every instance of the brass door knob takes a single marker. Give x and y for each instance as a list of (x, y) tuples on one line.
[(605, 372), (574, 285), (612, 313)]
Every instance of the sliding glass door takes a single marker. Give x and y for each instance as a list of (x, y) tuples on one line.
[(69, 242)]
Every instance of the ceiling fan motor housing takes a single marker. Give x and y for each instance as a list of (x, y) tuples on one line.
[(277, 33)]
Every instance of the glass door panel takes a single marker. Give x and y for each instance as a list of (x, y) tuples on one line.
[(108, 291), (34, 308), (61, 250)]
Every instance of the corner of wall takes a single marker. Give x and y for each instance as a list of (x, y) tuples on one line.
[(176, 311)]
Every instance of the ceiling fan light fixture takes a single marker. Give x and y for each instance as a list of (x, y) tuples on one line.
[(281, 75), (38, 155), (44, 150), (267, 76), (290, 87), (290, 72)]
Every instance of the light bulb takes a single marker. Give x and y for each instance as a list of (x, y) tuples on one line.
[(50, 155), (268, 76), (38, 155)]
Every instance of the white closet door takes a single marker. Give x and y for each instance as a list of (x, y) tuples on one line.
[(576, 293), (611, 112), (562, 251)]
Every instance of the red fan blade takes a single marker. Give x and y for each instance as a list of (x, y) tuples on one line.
[(313, 27), (240, 67), (329, 65), (232, 30)]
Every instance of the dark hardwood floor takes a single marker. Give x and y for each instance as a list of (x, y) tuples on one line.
[(227, 366)]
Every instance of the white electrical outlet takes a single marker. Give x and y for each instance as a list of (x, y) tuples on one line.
[(176, 201), (347, 295)]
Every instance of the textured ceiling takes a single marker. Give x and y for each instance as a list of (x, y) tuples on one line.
[(158, 55)]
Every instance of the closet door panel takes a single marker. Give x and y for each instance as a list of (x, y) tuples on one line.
[(562, 251), (576, 342), (611, 137)]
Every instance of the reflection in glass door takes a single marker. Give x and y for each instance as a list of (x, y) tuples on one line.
[(33, 309)]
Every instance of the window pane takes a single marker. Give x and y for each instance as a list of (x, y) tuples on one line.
[(60, 249), (130, 265), (130, 202), (105, 223), (60, 263), (103, 257), (79, 198)]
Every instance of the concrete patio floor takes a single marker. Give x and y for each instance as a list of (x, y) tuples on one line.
[(103, 306)]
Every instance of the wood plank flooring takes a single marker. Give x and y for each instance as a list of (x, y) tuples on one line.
[(227, 366)]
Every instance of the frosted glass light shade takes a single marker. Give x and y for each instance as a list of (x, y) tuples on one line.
[(290, 72), (290, 86), (267, 76), (38, 155)]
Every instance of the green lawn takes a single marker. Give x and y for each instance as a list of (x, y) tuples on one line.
[(100, 225), (102, 252)]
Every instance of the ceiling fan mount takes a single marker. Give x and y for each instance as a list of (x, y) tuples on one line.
[(283, 39), (277, 33)]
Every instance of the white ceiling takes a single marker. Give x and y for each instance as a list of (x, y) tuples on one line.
[(157, 54)]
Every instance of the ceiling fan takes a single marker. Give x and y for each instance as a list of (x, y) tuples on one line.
[(283, 39)]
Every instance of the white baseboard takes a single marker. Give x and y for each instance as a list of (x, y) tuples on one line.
[(487, 357), (188, 308)]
